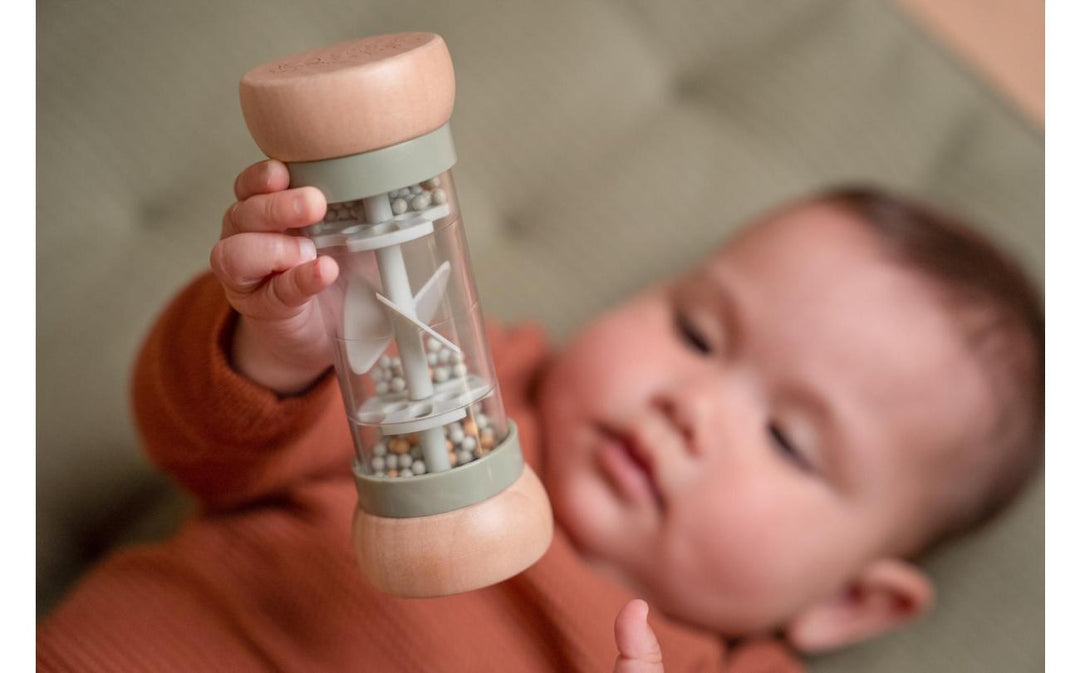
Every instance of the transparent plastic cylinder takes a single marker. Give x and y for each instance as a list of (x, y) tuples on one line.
[(410, 348)]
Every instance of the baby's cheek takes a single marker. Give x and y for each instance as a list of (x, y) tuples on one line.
[(742, 562)]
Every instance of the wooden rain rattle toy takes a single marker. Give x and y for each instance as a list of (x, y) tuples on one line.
[(446, 502)]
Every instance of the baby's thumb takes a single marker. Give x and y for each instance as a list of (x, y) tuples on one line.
[(639, 651)]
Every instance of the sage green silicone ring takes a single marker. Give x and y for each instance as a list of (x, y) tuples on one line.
[(439, 492), (358, 176)]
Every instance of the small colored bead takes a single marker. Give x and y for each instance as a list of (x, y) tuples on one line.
[(391, 473), (432, 183), (449, 445), (456, 433), (420, 201), (399, 445), (487, 442), (453, 458), (469, 425)]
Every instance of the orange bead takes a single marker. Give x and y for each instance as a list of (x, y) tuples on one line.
[(469, 426)]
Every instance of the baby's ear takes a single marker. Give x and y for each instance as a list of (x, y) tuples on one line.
[(885, 595)]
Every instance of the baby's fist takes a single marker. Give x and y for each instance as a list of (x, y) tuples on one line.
[(271, 278)]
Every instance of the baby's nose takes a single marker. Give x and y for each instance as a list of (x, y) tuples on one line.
[(680, 414)]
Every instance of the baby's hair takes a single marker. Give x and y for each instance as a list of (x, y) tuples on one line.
[(1001, 313)]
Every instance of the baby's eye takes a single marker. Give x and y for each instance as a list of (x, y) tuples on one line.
[(690, 334), (787, 448)]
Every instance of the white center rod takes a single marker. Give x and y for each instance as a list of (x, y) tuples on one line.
[(410, 341)]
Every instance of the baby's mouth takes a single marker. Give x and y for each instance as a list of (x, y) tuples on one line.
[(629, 464)]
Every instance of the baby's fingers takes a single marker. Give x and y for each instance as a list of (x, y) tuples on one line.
[(287, 292), (639, 651), (292, 208), (262, 177), (242, 262)]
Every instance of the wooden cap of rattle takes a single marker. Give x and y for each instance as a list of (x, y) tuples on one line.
[(350, 97)]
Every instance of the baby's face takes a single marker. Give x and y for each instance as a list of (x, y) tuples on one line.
[(735, 445)]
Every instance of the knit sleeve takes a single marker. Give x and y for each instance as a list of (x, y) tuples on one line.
[(222, 437)]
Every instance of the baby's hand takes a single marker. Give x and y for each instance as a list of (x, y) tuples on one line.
[(639, 651), (271, 278)]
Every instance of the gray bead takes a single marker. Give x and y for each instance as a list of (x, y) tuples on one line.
[(482, 421), (444, 355), (441, 374), (434, 344), (380, 473), (405, 473), (432, 183), (457, 357), (433, 358), (438, 197), (456, 434), (415, 189), (379, 448), (404, 460), (382, 387), (460, 370), (399, 206), (378, 463), (384, 361), (468, 443), (418, 467), (398, 384), (391, 461), (420, 201)]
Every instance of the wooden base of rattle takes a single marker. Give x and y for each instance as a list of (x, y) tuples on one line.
[(452, 552)]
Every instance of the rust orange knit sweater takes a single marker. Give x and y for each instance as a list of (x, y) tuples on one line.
[(262, 578)]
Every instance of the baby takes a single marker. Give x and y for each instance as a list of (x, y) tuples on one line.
[(758, 449)]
